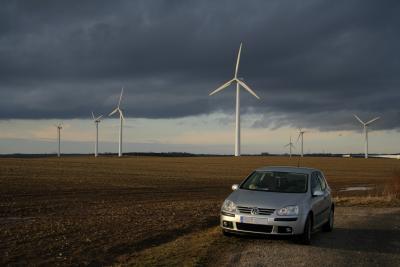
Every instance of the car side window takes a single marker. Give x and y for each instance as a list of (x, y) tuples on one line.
[(315, 183), (322, 181)]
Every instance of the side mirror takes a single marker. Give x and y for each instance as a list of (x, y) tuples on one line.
[(317, 193), (235, 187)]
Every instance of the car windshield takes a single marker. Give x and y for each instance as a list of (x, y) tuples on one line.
[(283, 182)]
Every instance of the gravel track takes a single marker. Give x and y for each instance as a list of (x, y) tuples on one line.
[(362, 237)]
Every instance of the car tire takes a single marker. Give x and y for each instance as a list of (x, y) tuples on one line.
[(328, 226), (305, 237)]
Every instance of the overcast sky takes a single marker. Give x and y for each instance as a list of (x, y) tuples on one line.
[(313, 63)]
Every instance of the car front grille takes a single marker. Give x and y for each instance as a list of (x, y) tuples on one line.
[(260, 228), (261, 211)]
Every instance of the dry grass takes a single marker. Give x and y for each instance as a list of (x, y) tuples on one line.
[(187, 250), (392, 187), (368, 201)]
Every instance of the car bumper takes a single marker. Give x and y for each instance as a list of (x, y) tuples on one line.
[(258, 224)]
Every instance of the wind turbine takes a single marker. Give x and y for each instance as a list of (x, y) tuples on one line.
[(59, 127), (96, 145), (365, 125), (290, 145), (301, 134), (238, 84), (121, 119)]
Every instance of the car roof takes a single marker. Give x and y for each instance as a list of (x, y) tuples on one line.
[(287, 169)]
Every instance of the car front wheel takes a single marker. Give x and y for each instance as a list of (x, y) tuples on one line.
[(305, 237)]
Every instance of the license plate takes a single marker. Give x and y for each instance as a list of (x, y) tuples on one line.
[(253, 220)]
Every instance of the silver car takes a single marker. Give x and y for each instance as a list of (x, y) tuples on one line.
[(279, 201)]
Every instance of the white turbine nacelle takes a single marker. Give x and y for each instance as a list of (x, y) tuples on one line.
[(96, 144), (238, 84), (290, 145), (121, 119), (59, 127), (365, 126)]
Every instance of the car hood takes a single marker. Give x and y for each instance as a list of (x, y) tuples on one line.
[(265, 199)]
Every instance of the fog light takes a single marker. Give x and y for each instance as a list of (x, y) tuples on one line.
[(227, 224), (285, 229)]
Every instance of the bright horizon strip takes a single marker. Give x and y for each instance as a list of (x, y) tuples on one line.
[(195, 134)]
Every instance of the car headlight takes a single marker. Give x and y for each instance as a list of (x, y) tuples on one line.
[(228, 206), (288, 211)]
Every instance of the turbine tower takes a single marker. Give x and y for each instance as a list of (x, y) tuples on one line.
[(301, 134), (59, 127), (121, 119), (96, 144), (290, 145), (238, 84), (365, 126)]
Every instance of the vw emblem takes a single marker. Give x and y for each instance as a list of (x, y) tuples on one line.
[(254, 211)]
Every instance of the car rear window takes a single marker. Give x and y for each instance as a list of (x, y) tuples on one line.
[(283, 182)]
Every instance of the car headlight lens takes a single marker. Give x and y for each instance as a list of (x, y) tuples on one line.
[(228, 206), (288, 211)]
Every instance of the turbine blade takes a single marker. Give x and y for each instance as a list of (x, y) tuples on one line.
[(120, 97), (238, 60), (358, 119), (93, 116), (371, 121), (113, 112), (121, 114), (286, 145), (99, 117), (293, 146), (298, 137), (247, 88), (222, 87)]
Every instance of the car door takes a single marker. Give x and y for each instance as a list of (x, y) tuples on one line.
[(327, 201), (317, 202)]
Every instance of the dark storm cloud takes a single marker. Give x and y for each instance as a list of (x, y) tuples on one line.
[(313, 63)]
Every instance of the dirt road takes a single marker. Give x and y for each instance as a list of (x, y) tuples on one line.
[(362, 237)]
